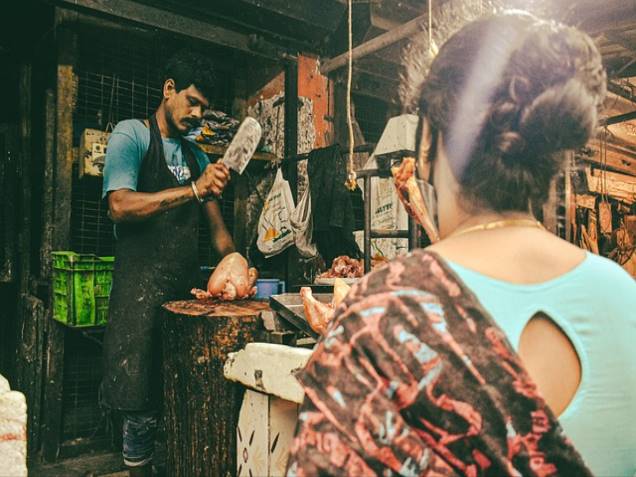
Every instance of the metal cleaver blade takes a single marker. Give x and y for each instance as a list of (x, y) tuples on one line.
[(242, 147)]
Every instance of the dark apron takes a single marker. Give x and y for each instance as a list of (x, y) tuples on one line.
[(156, 261)]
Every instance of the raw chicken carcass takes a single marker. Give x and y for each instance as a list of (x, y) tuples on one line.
[(344, 267), (231, 280), (411, 197), (319, 314)]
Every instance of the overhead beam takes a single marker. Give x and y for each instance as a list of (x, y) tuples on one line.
[(621, 118), (154, 17), (598, 17), (621, 40), (375, 44), (324, 14), (618, 90)]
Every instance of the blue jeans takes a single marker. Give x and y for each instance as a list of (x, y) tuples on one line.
[(139, 432)]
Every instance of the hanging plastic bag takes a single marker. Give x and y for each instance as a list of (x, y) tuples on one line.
[(302, 224), (275, 232)]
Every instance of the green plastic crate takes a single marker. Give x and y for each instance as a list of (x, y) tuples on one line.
[(81, 287)]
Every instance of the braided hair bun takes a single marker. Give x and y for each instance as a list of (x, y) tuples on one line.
[(509, 93)]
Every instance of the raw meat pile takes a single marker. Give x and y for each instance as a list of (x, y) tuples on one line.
[(411, 197), (344, 267), (231, 280), (319, 314)]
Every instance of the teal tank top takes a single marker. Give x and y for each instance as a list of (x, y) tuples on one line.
[(595, 306)]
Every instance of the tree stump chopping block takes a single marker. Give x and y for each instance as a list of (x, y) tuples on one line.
[(201, 406)]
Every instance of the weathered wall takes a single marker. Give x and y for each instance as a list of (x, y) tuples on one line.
[(314, 130)]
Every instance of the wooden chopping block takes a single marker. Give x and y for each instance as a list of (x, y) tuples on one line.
[(201, 406)]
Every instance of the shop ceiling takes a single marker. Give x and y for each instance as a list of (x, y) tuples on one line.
[(278, 29)]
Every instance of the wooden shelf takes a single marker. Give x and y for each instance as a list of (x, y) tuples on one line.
[(220, 150)]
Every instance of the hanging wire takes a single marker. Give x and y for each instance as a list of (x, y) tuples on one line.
[(351, 173), (430, 26)]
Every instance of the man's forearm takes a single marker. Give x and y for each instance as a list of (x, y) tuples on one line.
[(131, 206), (223, 243)]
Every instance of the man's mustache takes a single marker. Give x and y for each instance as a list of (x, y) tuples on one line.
[(193, 123)]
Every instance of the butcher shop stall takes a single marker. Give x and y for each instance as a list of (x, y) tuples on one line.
[(306, 113)]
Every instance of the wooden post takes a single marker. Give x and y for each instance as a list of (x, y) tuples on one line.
[(201, 407), (30, 309), (48, 186), (61, 234)]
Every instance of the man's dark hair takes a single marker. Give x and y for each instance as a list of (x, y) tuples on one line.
[(187, 68)]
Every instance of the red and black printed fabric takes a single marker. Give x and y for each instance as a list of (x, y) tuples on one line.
[(414, 378)]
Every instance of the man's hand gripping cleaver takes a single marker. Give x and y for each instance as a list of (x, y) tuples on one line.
[(243, 146)]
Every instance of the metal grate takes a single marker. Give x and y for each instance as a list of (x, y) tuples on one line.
[(104, 99), (81, 414), (91, 229)]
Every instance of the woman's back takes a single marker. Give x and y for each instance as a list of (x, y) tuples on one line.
[(593, 303)]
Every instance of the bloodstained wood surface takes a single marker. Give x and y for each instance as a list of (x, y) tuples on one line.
[(201, 407)]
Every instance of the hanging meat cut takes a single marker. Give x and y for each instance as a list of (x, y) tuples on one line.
[(231, 280), (319, 314), (344, 267), (411, 197)]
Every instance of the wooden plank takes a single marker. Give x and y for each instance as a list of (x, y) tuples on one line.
[(60, 240), (617, 158), (325, 14), (155, 17), (618, 186), (47, 187), (30, 364), (375, 44), (24, 250), (586, 201)]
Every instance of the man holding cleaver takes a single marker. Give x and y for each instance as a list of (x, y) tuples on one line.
[(156, 184)]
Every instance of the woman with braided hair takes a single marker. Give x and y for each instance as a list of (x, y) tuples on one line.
[(501, 350)]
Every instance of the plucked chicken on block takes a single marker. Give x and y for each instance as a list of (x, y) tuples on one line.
[(231, 280)]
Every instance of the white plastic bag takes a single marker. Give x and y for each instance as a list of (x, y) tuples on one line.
[(275, 232), (302, 224)]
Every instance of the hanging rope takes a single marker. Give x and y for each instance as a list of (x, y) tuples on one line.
[(351, 173)]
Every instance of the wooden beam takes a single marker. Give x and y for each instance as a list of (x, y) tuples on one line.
[(597, 17), (61, 238), (619, 186), (48, 186), (376, 68), (621, 91), (621, 118), (619, 39), (616, 158), (374, 88), (375, 44), (325, 14), (586, 201), (145, 15)]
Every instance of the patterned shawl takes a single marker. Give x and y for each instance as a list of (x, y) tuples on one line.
[(414, 378)]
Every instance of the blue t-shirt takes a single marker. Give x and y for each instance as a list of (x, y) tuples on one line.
[(127, 147)]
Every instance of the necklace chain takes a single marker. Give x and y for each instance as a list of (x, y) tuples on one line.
[(499, 224)]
